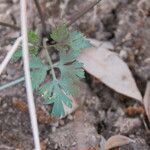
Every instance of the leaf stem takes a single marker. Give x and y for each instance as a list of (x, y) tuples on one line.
[(49, 59)]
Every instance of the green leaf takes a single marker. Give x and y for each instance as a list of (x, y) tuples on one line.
[(60, 33), (46, 91), (33, 37), (77, 42), (33, 40), (39, 71), (70, 77), (17, 55), (53, 94), (57, 92)]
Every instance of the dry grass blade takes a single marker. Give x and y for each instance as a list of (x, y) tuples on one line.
[(109, 68), (146, 100), (116, 141)]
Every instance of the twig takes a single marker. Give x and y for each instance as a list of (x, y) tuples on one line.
[(30, 97), (63, 7), (20, 79), (9, 25), (11, 83), (8, 147), (83, 12), (41, 16), (10, 54)]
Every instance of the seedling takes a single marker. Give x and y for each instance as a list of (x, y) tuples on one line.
[(58, 90)]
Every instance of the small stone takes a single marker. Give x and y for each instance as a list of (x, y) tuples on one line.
[(56, 146), (53, 129), (74, 143), (70, 117), (123, 54), (61, 122), (4, 105)]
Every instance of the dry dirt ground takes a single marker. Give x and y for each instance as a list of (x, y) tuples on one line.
[(102, 112)]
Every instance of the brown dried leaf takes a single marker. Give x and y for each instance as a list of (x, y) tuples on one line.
[(117, 141), (146, 100), (109, 68), (20, 105)]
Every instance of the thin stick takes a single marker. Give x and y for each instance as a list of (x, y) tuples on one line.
[(12, 83), (83, 12), (8, 147), (10, 54), (9, 25), (41, 16), (30, 98), (20, 79)]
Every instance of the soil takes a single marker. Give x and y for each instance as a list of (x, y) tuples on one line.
[(102, 112)]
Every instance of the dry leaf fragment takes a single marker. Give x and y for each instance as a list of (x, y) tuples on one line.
[(146, 100), (42, 117), (116, 141), (109, 68), (20, 105), (97, 44), (133, 111)]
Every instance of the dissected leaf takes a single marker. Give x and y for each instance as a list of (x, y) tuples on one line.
[(77, 42), (109, 68), (33, 46), (33, 39), (60, 33), (117, 141), (146, 100), (59, 91), (53, 94), (39, 71), (70, 76), (17, 55)]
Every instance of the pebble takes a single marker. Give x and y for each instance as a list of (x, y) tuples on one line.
[(56, 146), (70, 117), (61, 122), (123, 54), (74, 143), (53, 129), (4, 105)]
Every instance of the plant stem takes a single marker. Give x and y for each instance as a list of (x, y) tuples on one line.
[(49, 60), (42, 17)]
